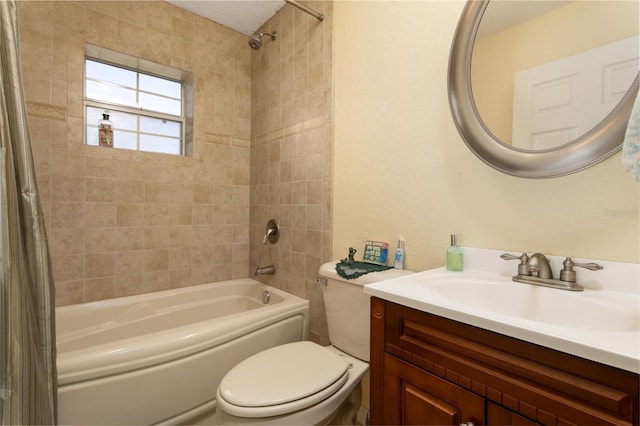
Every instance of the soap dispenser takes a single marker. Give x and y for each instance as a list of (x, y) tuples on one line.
[(454, 256)]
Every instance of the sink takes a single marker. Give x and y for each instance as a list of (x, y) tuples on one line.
[(589, 310), (601, 323)]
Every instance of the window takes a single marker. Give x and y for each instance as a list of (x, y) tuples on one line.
[(146, 109)]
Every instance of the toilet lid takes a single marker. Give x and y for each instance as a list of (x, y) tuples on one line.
[(283, 379)]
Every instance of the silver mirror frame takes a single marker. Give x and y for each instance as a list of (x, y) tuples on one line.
[(601, 142)]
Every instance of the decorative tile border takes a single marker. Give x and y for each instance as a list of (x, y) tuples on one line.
[(47, 111)]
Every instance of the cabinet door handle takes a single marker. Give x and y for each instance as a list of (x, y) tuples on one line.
[(467, 424)]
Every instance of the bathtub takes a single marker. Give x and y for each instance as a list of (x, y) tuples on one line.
[(159, 357)]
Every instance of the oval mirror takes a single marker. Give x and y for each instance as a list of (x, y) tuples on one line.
[(536, 90)]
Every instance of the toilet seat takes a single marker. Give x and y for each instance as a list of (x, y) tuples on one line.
[(282, 380)]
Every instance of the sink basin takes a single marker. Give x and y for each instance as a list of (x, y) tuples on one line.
[(589, 310), (601, 323)]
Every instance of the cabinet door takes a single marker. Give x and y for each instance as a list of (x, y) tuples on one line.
[(414, 397)]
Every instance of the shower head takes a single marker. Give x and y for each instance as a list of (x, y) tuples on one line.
[(256, 40)]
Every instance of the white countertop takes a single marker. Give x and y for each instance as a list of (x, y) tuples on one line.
[(615, 289)]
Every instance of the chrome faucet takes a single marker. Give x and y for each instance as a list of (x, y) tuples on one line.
[(536, 270), (538, 266), (265, 270)]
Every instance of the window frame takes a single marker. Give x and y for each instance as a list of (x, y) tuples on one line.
[(138, 66)]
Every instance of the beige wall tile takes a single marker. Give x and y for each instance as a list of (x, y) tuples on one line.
[(68, 268), (129, 262), (181, 214), (107, 205), (179, 258), (289, 155), (127, 223), (69, 292), (129, 191), (156, 214), (127, 285), (156, 237), (67, 215), (100, 214), (99, 265), (159, 18), (99, 240), (222, 272), (66, 241), (99, 189), (156, 260), (101, 167), (180, 278), (203, 214), (180, 236), (201, 274), (129, 214), (129, 238), (99, 289), (67, 188), (201, 257), (65, 163), (203, 193)]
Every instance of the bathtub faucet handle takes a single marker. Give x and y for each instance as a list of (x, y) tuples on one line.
[(269, 233), (272, 232)]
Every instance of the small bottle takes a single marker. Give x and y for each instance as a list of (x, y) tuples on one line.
[(105, 131), (398, 262), (454, 256)]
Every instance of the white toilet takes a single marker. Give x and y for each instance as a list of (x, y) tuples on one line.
[(303, 383)]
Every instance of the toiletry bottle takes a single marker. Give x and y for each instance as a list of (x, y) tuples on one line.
[(105, 131), (398, 263), (454, 256)]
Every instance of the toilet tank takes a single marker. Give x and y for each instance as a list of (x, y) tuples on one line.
[(347, 308)]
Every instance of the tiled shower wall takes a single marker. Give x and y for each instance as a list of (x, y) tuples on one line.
[(291, 152), (122, 222)]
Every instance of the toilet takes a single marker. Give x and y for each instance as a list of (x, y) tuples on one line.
[(303, 383)]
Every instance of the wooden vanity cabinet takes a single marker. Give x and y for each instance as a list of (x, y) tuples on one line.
[(427, 369)]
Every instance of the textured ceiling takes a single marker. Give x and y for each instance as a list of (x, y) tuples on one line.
[(245, 16)]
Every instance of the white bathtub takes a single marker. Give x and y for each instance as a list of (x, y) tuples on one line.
[(159, 357)]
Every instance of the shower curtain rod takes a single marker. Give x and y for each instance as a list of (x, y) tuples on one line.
[(317, 15)]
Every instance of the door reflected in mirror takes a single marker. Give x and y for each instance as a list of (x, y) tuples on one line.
[(543, 73)]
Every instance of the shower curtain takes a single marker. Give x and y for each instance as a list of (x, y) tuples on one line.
[(28, 393)]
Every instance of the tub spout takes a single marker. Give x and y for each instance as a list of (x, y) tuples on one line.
[(265, 270)]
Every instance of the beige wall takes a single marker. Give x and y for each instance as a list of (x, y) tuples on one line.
[(291, 153), (401, 169), (122, 222)]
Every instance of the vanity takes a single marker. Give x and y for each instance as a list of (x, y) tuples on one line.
[(474, 347)]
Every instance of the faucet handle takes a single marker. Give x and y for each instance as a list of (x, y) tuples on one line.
[(569, 275), (272, 232), (523, 268)]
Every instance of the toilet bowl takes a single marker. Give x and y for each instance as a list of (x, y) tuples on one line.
[(303, 383), (288, 391)]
